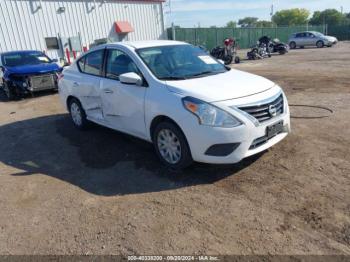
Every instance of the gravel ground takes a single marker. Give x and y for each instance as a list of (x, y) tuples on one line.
[(64, 191)]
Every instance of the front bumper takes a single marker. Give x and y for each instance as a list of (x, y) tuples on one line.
[(23, 85), (200, 138)]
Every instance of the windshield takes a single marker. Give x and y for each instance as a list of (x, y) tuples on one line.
[(179, 62), (317, 34), (18, 59)]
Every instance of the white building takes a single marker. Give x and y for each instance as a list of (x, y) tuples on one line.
[(61, 26)]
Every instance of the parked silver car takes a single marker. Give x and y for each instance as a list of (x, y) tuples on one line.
[(311, 38)]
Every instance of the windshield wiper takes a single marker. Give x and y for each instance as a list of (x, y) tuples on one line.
[(205, 73), (172, 78)]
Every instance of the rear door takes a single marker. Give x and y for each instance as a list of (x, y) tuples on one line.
[(88, 84), (301, 39), (122, 104)]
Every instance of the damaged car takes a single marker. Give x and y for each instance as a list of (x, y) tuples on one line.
[(26, 72)]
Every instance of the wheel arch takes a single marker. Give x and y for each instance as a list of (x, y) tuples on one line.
[(70, 98), (159, 119)]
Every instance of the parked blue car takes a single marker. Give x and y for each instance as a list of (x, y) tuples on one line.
[(25, 72)]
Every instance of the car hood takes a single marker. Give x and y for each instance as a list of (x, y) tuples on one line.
[(330, 38), (31, 69), (230, 85)]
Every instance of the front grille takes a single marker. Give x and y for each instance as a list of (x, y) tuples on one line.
[(265, 111), (42, 82)]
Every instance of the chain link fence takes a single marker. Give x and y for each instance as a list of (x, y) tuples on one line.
[(247, 37)]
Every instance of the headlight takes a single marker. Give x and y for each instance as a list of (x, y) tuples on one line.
[(209, 115)]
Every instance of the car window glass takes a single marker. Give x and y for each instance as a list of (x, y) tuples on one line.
[(119, 63), (93, 63), (25, 58), (179, 62), (81, 64)]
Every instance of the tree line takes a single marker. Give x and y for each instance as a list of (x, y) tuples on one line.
[(295, 16)]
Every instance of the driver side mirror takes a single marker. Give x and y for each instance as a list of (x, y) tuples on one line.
[(131, 79)]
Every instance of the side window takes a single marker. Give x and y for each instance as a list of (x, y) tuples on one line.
[(119, 63), (92, 63), (81, 64)]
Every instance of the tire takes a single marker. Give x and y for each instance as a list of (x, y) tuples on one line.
[(292, 45), (228, 59), (171, 146), (8, 92), (282, 52), (237, 60), (320, 44), (77, 114)]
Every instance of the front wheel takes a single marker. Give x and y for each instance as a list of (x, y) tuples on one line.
[(228, 59), (8, 92), (171, 146), (320, 44), (292, 45), (77, 114)]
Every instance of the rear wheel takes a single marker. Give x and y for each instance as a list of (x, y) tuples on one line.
[(292, 45), (77, 114), (320, 44), (282, 52), (171, 146)]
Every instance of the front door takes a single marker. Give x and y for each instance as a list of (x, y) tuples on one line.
[(310, 39), (122, 104)]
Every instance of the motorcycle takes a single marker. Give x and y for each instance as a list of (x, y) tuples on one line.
[(279, 47), (228, 53), (259, 51), (275, 45)]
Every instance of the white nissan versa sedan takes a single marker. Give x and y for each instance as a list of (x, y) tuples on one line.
[(173, 94)]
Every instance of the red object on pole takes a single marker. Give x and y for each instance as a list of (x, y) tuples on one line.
[(75, 54), (123, 27), (85, 49), (68, 56)]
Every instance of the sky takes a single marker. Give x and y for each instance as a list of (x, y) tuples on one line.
[(205, 13)]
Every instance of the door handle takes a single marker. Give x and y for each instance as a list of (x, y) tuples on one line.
[(108, 91), (75, 84)]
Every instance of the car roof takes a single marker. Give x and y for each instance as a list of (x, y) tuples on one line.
[(20, 52), (146, 44)]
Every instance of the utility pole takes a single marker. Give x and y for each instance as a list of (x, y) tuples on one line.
[(169, 13), (271, 13)]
